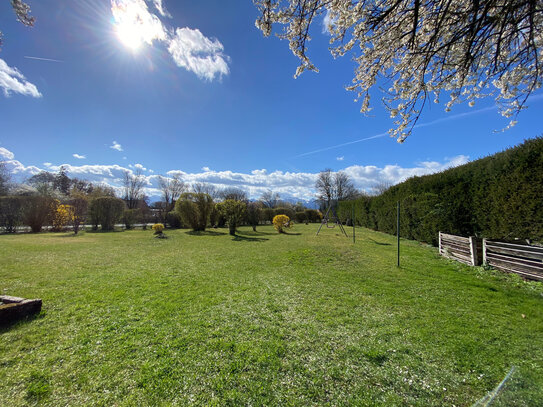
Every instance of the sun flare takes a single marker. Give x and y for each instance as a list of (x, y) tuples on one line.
[(134, 25)]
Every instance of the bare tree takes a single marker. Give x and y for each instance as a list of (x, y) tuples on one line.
[(133, 184), (269, 199), (334, 186), (343, 187), (205, 188), (464, 49), (325, 186), (171, 188), (5, 178), (234, 194), (380, 188)]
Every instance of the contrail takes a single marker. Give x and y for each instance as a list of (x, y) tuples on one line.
[(443, 119), (43, 59)]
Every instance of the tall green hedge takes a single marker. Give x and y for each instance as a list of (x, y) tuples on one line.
[(498, 197)]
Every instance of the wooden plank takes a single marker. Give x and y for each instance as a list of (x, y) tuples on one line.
[(445, 242), (13, 311), (454, 237), (515, 252), (464, 250), (522, 273), (473, 248), (515, 262), (461, 257), (528, 248)]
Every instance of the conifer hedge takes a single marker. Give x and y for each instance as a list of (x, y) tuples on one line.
[(496, 197)]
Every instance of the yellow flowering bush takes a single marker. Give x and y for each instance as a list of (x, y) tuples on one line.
[(158, 228), (281, 222), (61, 216)]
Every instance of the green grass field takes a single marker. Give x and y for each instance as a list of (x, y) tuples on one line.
[(262, 320)]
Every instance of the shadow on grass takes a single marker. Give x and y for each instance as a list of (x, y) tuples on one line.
[(379, 243), (292, 234), (240, 238), (205, 233), (105, 231), (253, 233)]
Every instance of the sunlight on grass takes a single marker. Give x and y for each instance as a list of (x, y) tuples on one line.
[(261, 319)]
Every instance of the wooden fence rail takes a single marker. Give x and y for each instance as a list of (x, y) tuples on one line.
[(521, 259), (463, 249)]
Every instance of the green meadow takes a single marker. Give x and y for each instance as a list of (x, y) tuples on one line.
[(262, 319)]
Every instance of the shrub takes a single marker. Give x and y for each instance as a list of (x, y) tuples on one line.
[(79, 204), (105, 211), (268, 214), (62, 214), (129, 217), (173, 220), (195, 209), (37, 211), (285, 211), (254, 214), (301, 217), (281, 222), (313, 215), (158, 228), (11, 212), (233, 211)]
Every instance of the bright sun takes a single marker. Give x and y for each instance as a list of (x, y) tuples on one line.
[(130, 35), (135, 25)]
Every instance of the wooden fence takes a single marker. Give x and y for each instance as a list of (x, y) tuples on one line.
[(522, 259), (463, 249)]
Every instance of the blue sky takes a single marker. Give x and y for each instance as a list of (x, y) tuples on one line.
[(207, 95)]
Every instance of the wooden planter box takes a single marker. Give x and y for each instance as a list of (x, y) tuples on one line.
[(15, 308)]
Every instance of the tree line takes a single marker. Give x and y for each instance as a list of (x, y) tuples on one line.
[(58, 201), (497, 197)]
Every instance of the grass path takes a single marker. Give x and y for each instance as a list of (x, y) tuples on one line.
[(262, 319)]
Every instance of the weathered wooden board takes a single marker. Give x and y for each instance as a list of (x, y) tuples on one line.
[(15, 308)]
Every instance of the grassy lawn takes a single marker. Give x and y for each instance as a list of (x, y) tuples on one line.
[(262, 319)]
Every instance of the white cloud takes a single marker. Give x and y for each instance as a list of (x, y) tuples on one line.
[(116, 146), (47, 164), (11, 80), (327, 21), (189, 48), (4, 152), (135, 24), (79, 157), (205, 169), (289, 185), (195, 52), (340, 158), (161, 9)]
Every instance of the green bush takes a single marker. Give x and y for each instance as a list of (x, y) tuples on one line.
[(301, 217), (105, 211), (173, 220), (195, 209), (233, 211), (130, 217), (37, 211), (11, 212)]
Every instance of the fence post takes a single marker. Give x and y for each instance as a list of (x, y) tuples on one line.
[(473, 250), (440, 242), (484, 252)]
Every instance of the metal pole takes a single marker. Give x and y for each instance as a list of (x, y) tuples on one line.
[(352, 220), (398, 231)]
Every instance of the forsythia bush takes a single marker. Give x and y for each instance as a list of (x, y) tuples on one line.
[(61, 216), (281, 222), (158, 228)]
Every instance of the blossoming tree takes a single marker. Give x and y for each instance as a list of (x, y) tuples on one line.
[(460, 49)]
